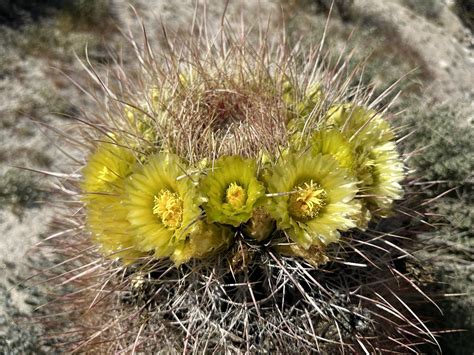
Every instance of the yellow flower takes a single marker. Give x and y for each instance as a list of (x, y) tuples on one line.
[(381, 171), (106, 169), (204, 241), (103, 192), (377, 164), (107, 220), (360, 125), (312, 198), (162, 203), (332, 142), (231, 190)]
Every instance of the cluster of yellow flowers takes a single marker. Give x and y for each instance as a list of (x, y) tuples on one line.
[(327, 181)]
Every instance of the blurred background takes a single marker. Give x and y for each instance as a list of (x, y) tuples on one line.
[(428, 42)]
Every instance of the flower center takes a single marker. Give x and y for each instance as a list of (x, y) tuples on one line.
[(235, 195), (307, 201), (168, 206)]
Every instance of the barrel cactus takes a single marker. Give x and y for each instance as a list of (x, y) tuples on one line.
[(236, 197)]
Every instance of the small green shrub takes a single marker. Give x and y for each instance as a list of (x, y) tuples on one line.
[(17, 334), (84, 14), (459, 212), (444, 138), (20, 189)]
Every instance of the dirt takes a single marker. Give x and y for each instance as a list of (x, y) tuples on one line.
[(444, 45), (33, 95)]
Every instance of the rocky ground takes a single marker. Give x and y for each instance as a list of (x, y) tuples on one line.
[(38, 45)]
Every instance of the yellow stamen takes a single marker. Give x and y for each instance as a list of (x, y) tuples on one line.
[(235, 195), (168, 206), (307, 202)]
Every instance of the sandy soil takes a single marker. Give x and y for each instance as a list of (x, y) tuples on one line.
[(30, 91)]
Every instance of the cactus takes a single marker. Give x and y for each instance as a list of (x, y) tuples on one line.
[(215, 211)]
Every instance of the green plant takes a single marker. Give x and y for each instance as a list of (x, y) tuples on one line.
[(443, 146), (443, 142), (20, 189)]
